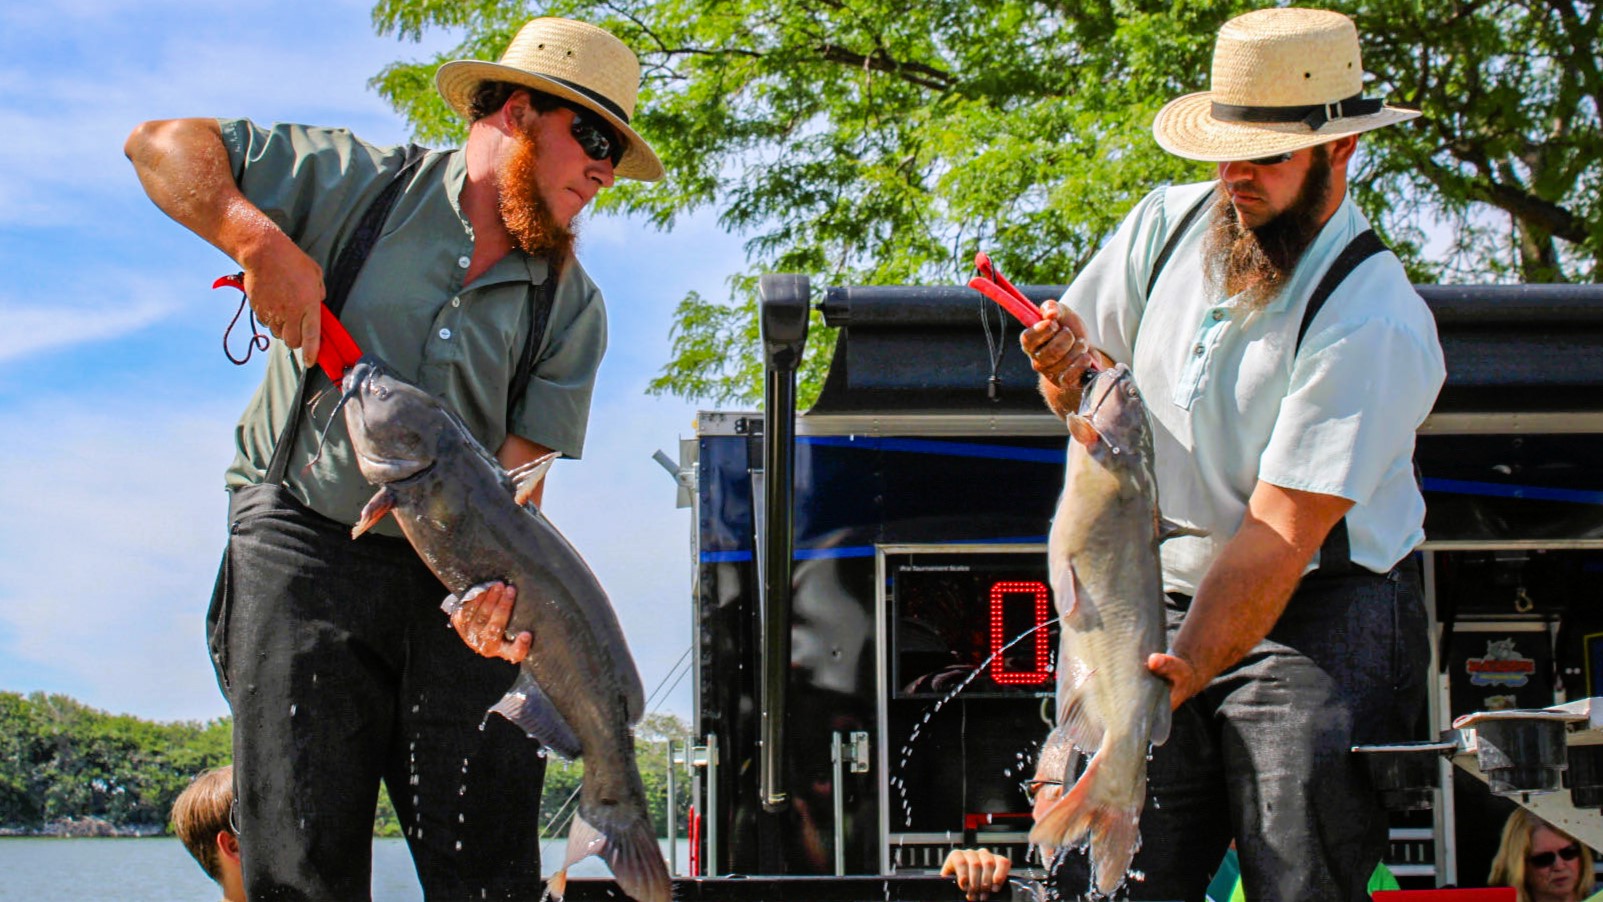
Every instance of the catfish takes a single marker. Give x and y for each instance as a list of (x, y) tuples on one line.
[(578, 691)]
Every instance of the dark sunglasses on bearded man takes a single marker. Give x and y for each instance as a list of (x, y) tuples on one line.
[(595, 135)]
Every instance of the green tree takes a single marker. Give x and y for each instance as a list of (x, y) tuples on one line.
[(879, 142), (63, 760), (564, 778)]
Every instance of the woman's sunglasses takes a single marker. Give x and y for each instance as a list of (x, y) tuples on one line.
[(595, 136), (1546, 859)]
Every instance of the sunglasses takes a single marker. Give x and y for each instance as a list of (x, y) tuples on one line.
[(1546, 859), (1275, 160), (596, 137)]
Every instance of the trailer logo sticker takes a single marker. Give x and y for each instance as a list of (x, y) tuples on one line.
[(1502, 666)]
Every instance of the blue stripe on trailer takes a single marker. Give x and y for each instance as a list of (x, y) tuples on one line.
[(854, 551), (1524, 492), (930, 446)]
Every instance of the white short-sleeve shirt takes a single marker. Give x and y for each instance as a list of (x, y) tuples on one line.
[(1231, 404)]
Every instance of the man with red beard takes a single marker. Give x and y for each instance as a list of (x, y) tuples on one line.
[(1286, 362), (455, 268)]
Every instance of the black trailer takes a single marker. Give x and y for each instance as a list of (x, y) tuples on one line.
[(857, 562)]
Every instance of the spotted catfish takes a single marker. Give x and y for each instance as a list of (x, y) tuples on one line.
[(578, 691)]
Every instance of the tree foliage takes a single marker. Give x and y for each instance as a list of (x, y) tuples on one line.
[(879, 142), (61, 760), (563, 779)]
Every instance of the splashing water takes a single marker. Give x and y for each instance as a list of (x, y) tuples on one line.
[(912, 738)]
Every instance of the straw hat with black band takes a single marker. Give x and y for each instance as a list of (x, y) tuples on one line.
[(572, 60), (1283, 79)]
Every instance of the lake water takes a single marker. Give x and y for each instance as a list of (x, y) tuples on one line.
[(160, 870)]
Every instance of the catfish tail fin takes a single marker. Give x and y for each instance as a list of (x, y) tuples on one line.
[(630, 850)]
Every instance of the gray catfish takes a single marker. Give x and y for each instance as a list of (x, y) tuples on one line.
[(1107, 585), (578, 691)]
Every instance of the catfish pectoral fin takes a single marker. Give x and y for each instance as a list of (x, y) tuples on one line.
[(528, 476), (1169, 529), (527, 706), (380, 504)]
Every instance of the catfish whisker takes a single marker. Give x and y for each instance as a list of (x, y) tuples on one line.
[(333, 417)]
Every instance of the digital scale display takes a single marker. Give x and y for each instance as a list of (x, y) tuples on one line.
[(982, 616)]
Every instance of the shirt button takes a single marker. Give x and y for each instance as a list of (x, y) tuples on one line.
[(445, 334), (1218, 315), (463, 262), (456, 302), (1198, 350)]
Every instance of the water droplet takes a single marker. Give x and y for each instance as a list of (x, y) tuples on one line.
[(291, 710), (415, 708)]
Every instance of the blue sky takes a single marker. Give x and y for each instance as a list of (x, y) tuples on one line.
[(117, 406)]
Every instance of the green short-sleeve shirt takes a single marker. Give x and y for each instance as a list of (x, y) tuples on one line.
[(409, 307)]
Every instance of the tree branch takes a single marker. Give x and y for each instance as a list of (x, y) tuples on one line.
[(912, 73)]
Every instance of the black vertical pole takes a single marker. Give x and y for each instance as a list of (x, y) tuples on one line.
[(782, 317)]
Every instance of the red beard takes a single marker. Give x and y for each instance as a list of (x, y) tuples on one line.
[(523, 209)]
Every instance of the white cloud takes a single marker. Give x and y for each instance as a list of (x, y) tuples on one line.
[(84, 311), (112, 522), (65, 124)]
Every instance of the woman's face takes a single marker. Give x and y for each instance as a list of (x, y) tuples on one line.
[(1548, 873)]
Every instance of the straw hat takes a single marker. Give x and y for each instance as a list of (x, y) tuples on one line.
[(1283, 79), (571, 60)]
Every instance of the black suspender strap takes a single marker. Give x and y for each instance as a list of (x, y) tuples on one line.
[(1365, 245), (538, 319), (1174, 239), (1335, 554), (337, 285)]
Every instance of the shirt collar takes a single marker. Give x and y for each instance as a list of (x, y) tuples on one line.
[(516, 266)]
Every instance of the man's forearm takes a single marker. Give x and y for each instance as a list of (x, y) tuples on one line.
[(1246, 589), (1239, 601), (184, 169), (1058, 399)]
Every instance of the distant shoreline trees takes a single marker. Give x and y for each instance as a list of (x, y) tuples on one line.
[(67, 769)]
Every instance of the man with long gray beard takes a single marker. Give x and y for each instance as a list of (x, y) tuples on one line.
[(457, 269), (1286, 362)]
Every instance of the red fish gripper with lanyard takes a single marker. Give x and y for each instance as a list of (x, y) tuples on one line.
[(336, 353)]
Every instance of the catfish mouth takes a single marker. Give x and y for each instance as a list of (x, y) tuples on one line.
[(391, 470), (378, 468), (1099, 388)]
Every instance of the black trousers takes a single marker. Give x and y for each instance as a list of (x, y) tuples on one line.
[(342, 671), (1263, 754)]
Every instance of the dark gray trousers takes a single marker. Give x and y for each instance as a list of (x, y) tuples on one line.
[(1263, 755), (342, 671)]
